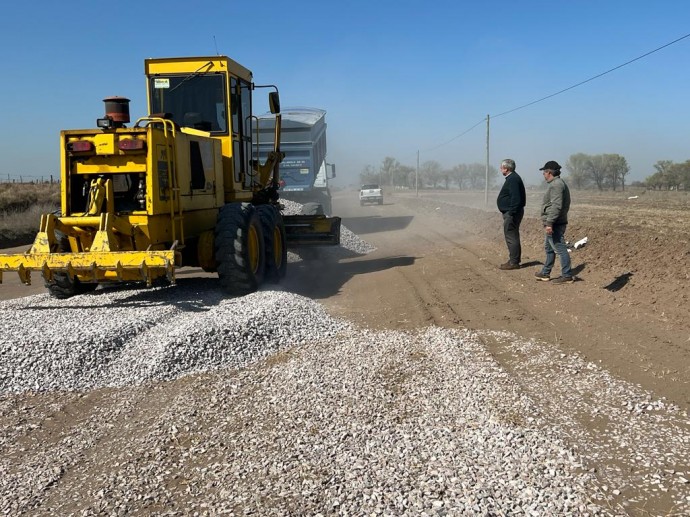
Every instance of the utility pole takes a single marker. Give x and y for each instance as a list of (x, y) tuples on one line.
[(416, 177), (486, 178)]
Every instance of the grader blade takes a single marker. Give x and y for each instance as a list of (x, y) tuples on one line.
[(312, 230), (95, 267)]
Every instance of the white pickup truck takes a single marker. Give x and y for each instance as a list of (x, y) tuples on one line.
[(370, 193)]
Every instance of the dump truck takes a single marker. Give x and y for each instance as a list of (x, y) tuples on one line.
[(183, 186), (304, 171)]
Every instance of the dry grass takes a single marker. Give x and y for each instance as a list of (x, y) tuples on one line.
[(21, 206), (19, 197)]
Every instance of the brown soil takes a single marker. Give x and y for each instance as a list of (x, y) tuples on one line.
[(437, 263)]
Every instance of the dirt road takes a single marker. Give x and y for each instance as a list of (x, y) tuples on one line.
[(437, 263)]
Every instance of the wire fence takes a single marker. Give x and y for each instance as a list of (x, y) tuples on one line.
[(30, 179)]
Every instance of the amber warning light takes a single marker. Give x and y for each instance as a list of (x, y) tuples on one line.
[(116, 113)]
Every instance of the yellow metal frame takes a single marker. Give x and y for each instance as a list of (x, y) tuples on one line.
[(103, 261), (144, 243), (173, 179), (94, 266)]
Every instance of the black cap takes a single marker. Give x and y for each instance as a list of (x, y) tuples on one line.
[(551, 166)]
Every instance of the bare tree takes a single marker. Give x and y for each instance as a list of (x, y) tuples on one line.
[(616, 168), (406, 175), (579, 170), (388, 170), (460, 175), (431, 172), (446, 178), (477, 175), (597, 170)]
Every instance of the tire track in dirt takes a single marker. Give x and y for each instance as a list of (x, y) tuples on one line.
[(457, 284), (452, 279), (107, 420)]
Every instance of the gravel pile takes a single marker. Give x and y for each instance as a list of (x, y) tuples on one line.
[(176, 401), (350, 243), (350, 422), (121, 337), (640, 445)]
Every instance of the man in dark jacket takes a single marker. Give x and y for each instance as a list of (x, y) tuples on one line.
[(511, 203), (554, 217)]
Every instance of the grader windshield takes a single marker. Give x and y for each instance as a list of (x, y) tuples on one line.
[(196, 101)]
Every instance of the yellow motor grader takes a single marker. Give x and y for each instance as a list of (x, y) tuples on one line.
[(182, 186)]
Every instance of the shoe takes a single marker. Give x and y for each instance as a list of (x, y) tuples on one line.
[(542, 276), (508, 265), (564, 280)]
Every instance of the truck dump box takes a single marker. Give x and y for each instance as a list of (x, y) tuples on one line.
[(303, 140)]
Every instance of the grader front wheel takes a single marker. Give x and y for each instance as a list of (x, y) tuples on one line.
[(275, 242), (239, 248), (61, 286)]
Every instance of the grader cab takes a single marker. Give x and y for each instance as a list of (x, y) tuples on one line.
[(182, 187)]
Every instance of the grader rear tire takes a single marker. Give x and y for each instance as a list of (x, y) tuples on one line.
[(275, 242), (239, 249)]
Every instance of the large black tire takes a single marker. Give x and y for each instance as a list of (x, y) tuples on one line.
[(239, 249), (61, 286), (275, 242)]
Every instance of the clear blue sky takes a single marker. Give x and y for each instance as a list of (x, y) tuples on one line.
[(395, 77)]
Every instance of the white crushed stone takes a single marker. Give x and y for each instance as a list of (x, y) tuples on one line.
[(286, 410), (350, 243), (350, 422), (640, 444), (124, 337)]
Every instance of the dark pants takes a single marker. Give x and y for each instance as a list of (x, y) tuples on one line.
[(511, 230)]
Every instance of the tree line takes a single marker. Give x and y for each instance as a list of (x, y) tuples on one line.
[(584, 171), (670, 176), (431, 175)]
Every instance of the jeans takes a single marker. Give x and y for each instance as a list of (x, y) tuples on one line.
[(555, 244), (511, 231)]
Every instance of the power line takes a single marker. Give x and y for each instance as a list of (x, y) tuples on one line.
[(562, 91), (592, 78), (454, 138)]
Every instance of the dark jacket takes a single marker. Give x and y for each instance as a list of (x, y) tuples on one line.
[(556, 203), (512, 198)]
